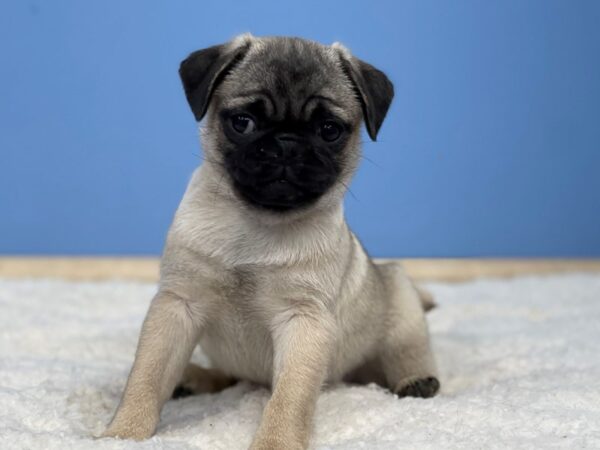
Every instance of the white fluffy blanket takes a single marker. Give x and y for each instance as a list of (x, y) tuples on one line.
[(519, 362)]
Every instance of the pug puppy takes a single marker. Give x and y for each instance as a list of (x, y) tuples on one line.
[(259, 266)]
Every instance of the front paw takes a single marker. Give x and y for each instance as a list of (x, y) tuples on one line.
[(138, 426), (275, 438), (419, 387), (271, 443), (137, 433)]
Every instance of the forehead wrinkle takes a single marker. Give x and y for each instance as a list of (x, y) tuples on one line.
[(334, 108), (313, 101), (284, 71), (246, 98)]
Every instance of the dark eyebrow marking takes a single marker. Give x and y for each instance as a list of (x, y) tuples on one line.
[(260, 93), (318, 97), (257, 108)]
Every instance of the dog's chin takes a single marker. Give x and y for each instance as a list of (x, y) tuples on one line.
[(278, 196)]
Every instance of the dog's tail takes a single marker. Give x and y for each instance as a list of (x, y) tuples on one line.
[(426, 297)]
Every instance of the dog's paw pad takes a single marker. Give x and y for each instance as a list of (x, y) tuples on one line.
[(422, 387), (181, 391)]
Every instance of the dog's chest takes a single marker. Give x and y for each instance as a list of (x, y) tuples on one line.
[(238, 340)]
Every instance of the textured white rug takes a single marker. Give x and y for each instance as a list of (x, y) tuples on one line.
[(519, 362)]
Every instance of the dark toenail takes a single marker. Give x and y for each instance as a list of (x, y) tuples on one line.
[(424, 388)]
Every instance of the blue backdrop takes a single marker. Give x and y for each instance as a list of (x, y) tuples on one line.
[(492, 145)]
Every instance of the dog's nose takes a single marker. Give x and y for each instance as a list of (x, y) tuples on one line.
[(288, 145), (283, 148)]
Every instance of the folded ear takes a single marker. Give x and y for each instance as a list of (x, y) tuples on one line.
[(373, 87), (203, 70)]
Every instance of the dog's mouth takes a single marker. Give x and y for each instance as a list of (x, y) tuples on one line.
[(281, 187), (282, 176), (281, 194)]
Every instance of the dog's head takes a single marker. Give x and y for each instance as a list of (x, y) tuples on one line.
[(283, 116)]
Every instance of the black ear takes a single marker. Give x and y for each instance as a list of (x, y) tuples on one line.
[(203, 70), (374, 89)]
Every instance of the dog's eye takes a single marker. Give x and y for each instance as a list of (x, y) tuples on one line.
[(330, 131), (243, 124)]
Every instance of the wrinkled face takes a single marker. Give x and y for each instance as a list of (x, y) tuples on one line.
[(283, 117), (289, 120)]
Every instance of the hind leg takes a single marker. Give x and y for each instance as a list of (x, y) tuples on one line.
[(405, 352), (198, 380), (370, 371)]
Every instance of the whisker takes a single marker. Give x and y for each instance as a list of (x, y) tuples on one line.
[(371, 161), (208, 160), (218, 188), (348, 189)]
